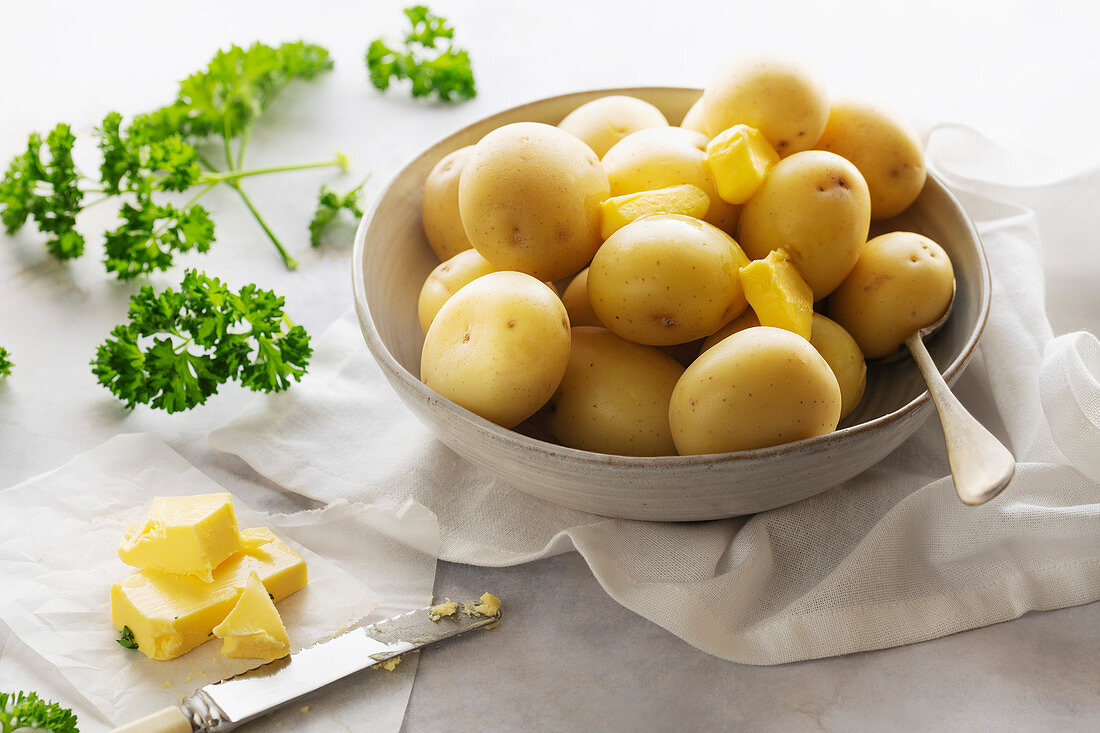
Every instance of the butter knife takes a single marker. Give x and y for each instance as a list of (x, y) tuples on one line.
[(224, 705)]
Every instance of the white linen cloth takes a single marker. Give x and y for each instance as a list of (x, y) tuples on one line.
[(58, 533), (888, 558)]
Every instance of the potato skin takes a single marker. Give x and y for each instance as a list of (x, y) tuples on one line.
[(575, 300), (787, 102), (844, 357), (498, 347), (614, 396), (885, 149), (661, 157), (693, 120), (815, 205), (666, 279), (446, 280), (760, 387), (902, 282), (439, 208), (529, 198), (605, 121)]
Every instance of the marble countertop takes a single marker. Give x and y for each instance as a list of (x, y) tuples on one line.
[(567, 655)]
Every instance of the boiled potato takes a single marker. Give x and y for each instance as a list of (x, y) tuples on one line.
[(693, 120), (747, 319), (446, 279), (575, 299), (661, 157), (759, 387), (844, 357), (605, 121), (498, 347), (666, 279), (782, 99), (529, 197), (614, 396), (885, 149), (439, 209), (902, 282), (815, 206)]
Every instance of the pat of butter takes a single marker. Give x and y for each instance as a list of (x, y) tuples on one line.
[(487, 605), (254, 629), (618, 211), (188, 535), (739, 159), (170, 615), (778, 294)]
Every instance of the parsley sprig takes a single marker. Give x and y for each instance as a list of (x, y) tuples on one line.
[(427, 58), (180, 346), (166, 151), (5, 362), (27, 711), (329, 205)]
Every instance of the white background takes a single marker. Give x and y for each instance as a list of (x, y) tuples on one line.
[(1023, 73)]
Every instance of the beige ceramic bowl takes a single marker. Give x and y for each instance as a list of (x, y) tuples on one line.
[(392, 258)]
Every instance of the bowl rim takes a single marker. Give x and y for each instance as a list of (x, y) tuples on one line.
[(496, 433)]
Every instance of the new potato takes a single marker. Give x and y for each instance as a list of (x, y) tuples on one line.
[(844, 357), (577, 305), (885, 149), (529, 197), (815, 206), (903, 282), (661, 157), (666, 279), (759, 387), (605, 121), (614, 396), (439, 209), (498, 347), (446, 279), (784, 100)]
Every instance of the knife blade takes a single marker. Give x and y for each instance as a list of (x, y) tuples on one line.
[(224, 705)]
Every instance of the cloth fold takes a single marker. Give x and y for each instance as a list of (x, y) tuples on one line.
[(888, 558)]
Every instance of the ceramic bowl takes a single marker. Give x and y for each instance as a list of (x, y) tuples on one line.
[(392, 257)]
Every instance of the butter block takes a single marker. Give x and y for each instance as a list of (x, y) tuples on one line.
[(188, 535), (618, 211), (778, 295), (254, 629), (738, 160), (171, 614)]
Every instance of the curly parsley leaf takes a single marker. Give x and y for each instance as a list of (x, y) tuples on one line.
[(180, 346), (427, 58), (150, 235), (140, 161), (126, 641), (5, 362), (28, 711), (46, 190), (329, 205)]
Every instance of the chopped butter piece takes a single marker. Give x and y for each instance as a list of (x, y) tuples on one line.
[(170, 615), (253, 629), (391, 664), (739, 159), (188, 535), (487, 605), (618, 211), (778, 294), (447, 608)]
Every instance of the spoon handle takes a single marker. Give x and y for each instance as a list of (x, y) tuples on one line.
[(980, 466)]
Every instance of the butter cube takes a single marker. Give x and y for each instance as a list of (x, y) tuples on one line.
[(254, 629), (778, 294), (171, 614), (618, 211), (188, 535), (739, 159)]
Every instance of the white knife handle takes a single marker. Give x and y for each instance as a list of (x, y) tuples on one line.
[(168, 720)]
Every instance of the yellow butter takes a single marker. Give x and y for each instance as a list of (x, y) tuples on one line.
[(254, 629), (778, 295), (487, 605), (447, 608), (618, 211), (188, 535), (170, 614), (739, 159)]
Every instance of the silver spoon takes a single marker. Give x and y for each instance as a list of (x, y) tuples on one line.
[(980, 465)]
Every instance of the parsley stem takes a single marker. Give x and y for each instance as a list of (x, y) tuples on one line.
[(290, 262), (233, 175), (244, 141)]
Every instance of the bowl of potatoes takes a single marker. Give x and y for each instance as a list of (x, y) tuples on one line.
[(657, 303)]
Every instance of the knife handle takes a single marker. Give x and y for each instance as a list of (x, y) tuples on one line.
[(168, 720)]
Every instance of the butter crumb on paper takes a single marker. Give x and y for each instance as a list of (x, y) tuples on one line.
[(304, 709), (447, 608), (487, 605)]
